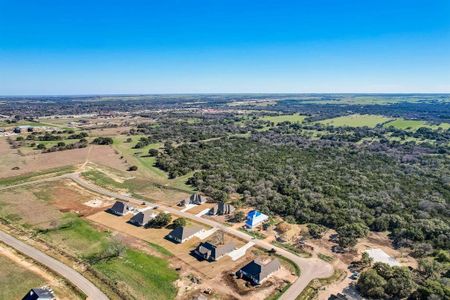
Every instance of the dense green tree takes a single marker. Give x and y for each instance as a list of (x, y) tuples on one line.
[(180, 222)]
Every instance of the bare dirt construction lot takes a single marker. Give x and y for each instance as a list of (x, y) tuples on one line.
[(11, 158), (375, 240), (198, 275), (43, 205), (24, 274)]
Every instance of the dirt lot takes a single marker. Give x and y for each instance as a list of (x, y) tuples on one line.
[(182, 251), (374, 240), (10, 158), (109, 131), (197, 276), (44, 205)]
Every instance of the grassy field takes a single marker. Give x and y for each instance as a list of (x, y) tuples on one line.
[(35, 175), (414, 124), (145, 277), (295, 118), (139, 157), (136, 273), (143, 188), (78, 237), (356, 121), (16, 281), (146, 164)]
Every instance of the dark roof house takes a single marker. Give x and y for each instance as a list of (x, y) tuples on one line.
[(183, 233), (222, 208), (196, 199), (142, 218), (39, 294), (257, 272), (119, 208), (211, 252)]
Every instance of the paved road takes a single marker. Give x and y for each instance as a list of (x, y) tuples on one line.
[(90, 290), (311, 268)]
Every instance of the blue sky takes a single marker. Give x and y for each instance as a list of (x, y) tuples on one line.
[(166, 46)]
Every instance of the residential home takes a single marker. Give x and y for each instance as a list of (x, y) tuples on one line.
[(40, 294), (120, 208), (142, 218), (256, 271), (255, 218), (211, 252), (195, 199), (183, 233), (222, 208)]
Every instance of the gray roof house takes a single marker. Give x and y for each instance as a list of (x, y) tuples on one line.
[(211, 252), (257, 272), (222, 208), (183, 233), (119, 208), (142, 218), (193, 199), (39, 294)]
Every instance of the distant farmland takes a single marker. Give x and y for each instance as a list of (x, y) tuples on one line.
[(414, 124), (356, 121)]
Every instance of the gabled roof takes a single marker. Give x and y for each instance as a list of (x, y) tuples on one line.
[(119, 207), (39, 293), (261, 271), (222, 208), (184, 232), (211, 251), (197, 198), (254, 217), (143, 217)]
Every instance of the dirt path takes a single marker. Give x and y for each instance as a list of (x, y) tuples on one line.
[(18, 259), (68, 273), (311, 268)]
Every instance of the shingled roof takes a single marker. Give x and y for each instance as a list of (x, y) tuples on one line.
[(256, 271), (119, 208), (210, 251), (142, 217), (183, 233)]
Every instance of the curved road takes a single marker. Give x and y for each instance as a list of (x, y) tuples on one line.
[(90, 290), (310, 268)]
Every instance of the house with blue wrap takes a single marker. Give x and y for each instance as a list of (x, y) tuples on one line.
[(255, 218)]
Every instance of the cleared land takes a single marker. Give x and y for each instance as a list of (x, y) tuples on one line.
[(157, 236), (44, 205), (415, 124), (11, 158), (356, 121), (144, 188), (295, 118)]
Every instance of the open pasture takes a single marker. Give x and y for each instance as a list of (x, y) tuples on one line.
[(356, 120), (413, 125)]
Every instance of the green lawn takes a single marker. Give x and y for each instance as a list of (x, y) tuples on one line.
[(136, 273), (413, 125), (295, 118), (145, 276), (356, 121), (78, 237), (16, 281)]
